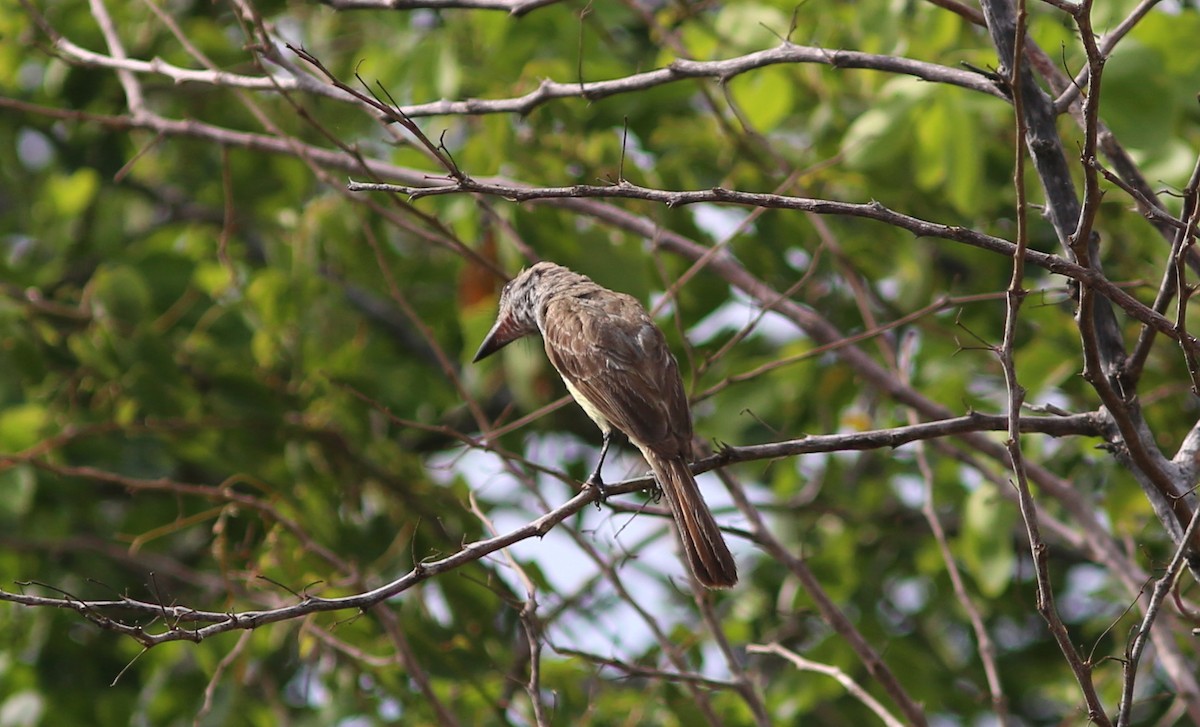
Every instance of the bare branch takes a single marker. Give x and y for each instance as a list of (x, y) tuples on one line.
[(1016, 393), (547, 90), (133, 90), (1104, 50), (636, 670), (984, 645), (515, 8), (828, 670), (1162, 587), (722, 70), (870, 210), (829, 610)]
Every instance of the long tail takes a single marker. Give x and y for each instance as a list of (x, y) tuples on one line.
[(707, 554)]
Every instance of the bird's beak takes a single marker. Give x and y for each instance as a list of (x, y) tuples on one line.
[(502, 334)]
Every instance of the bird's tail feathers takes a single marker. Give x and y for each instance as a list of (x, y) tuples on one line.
[(703, 544)]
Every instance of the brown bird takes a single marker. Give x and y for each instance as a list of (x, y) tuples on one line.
[(616, 364)]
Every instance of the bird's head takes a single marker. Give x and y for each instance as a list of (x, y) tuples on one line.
[(520, 301)]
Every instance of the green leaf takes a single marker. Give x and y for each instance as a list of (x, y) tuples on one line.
[(21, 426), (986, 543), (121, 292), (72, 193), (883, 133), (876, 139), (947, 154), (933, 152), (750, 27), (18, 484), (1147, 111), (698, 41), (765, 96)]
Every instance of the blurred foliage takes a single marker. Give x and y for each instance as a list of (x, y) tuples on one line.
[(178, 312)]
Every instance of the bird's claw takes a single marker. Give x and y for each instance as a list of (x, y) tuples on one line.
[(601, 489), (655, 491)]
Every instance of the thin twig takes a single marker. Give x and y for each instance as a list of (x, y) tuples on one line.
[(984, 645), (830, 613), (853, 687), (1162, 587)]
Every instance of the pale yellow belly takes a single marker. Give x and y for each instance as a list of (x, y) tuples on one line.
[(591, 411)]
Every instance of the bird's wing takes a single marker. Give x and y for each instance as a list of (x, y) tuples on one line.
[(610, 351)]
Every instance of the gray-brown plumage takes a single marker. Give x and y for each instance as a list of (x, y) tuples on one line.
[(616, 364)]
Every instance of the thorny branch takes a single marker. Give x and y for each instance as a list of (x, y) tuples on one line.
[(547, 91), (870, 210), (1046, 605), (221, 622), (1133, 655)]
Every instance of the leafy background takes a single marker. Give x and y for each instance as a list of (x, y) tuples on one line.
[(227, 382)]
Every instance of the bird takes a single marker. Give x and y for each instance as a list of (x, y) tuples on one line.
[(616, 364)]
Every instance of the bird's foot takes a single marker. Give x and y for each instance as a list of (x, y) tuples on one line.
[(655, 491), (597, 483)]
